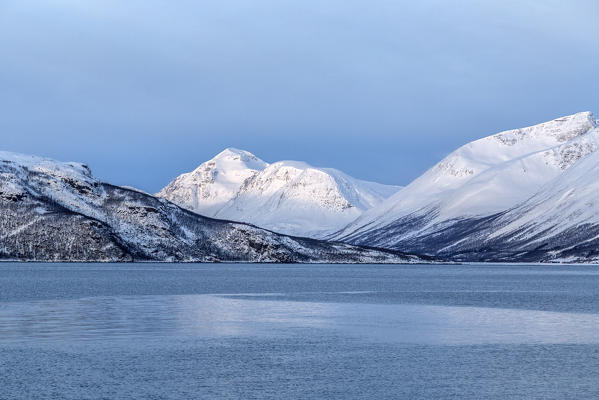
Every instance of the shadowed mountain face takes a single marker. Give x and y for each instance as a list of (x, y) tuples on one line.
[(52, 211), (523, 195)]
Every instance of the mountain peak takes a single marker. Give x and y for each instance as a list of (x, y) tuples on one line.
[(233, 153), (234, 159), (480, 179), (211, 185), (285, 196), (554, 132)]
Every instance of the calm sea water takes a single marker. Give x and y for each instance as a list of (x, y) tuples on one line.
[(158, 331)]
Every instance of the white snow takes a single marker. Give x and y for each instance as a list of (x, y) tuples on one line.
[(60, 181), (290, 197), (67, 169), (488, 175), (209, 187), (571, 200)]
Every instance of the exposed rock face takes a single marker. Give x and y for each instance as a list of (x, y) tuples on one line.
[(52, 211)]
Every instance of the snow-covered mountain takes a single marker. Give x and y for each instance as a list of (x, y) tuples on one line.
[(289, 197), (559, 223), (529, 194), (209, 187), (54, 211), (489, 189)]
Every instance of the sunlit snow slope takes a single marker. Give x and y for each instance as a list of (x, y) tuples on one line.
[(290, 197), (463, 203)]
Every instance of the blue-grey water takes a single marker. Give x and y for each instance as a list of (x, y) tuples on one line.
[(220, 331)]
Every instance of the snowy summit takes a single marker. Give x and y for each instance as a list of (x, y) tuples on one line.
[(290, 197), (520, 193)]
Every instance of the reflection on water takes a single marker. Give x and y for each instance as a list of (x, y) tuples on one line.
[(212, 316)]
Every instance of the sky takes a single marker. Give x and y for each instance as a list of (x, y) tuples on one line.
[(144, 90)]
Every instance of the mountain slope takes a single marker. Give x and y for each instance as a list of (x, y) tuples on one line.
[(209, 187), (53, 211), (560, 223), (288, 196), (467, 191)]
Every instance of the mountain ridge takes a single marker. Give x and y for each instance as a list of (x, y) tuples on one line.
[(290, 197), (53, 211), (523, 195), (454, 209)]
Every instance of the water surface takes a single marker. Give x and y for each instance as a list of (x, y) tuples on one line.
[(171, 331)]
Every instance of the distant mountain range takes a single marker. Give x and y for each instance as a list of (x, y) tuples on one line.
[(524, 195), (289, 197), (53, 211)]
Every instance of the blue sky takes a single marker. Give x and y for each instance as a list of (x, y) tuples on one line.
[(143, 90)]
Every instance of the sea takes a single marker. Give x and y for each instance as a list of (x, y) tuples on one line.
[(261, 331)]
